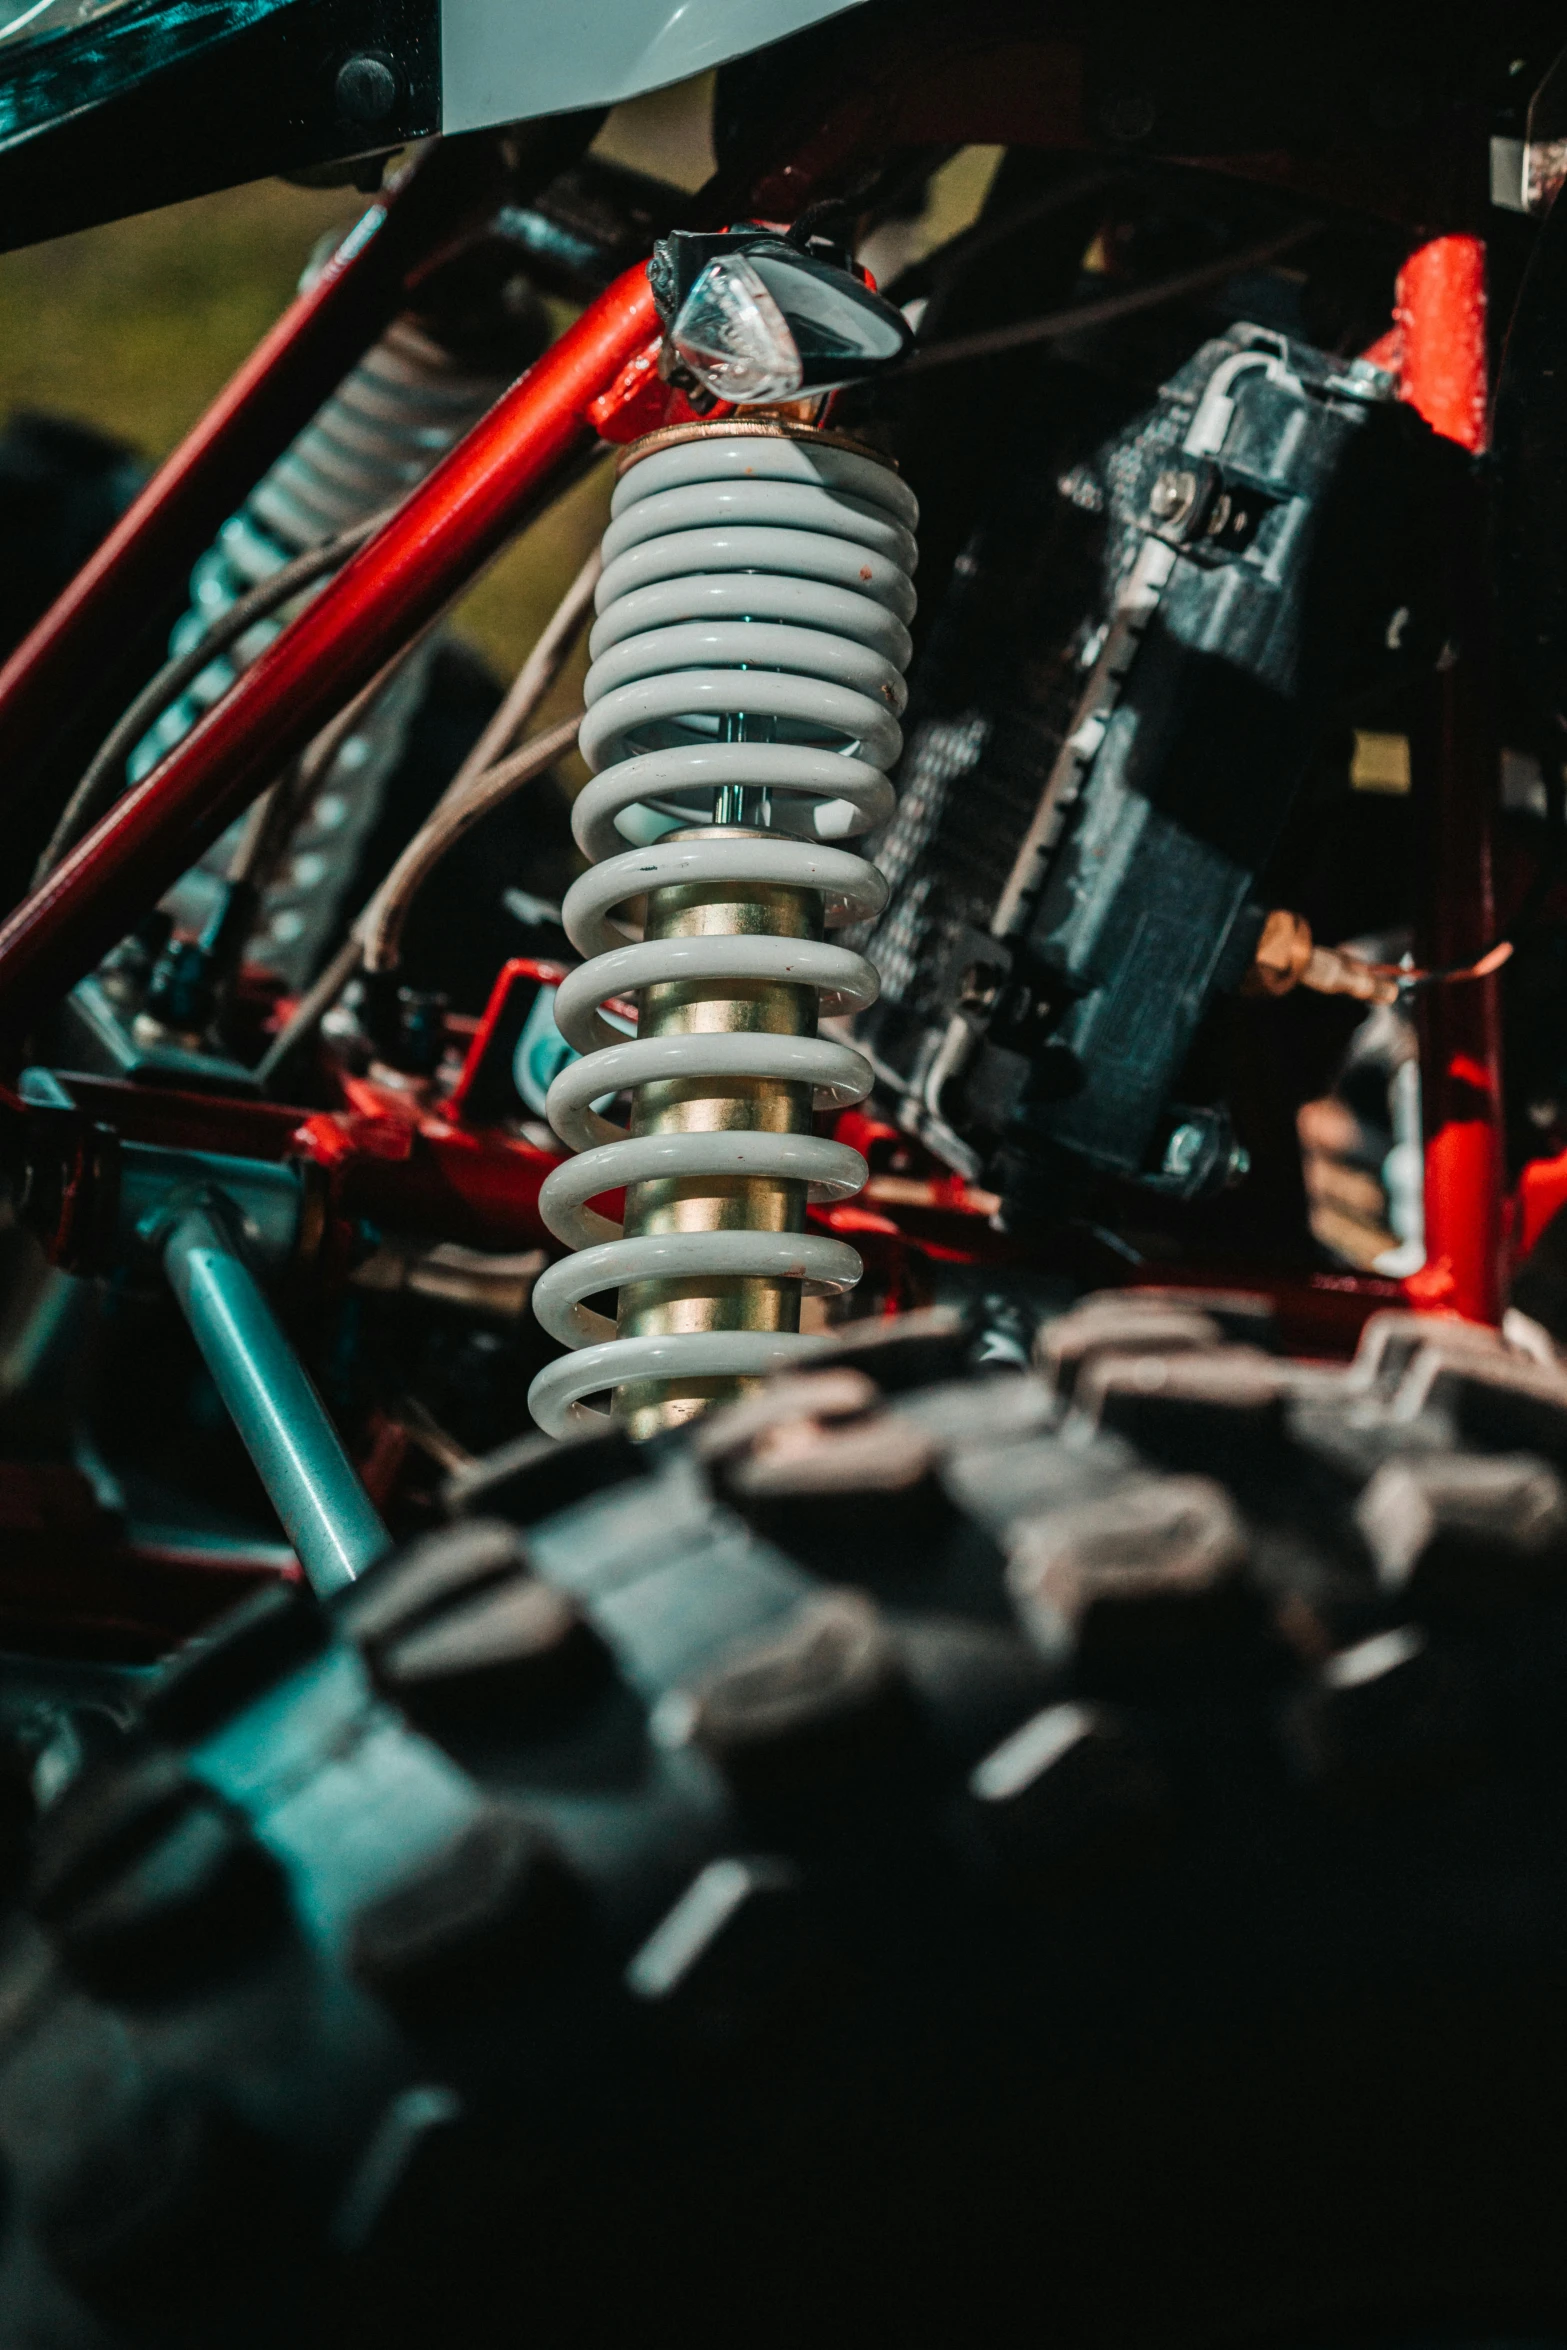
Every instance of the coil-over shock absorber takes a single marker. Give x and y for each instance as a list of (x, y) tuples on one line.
[(742, 715), (388, 424)]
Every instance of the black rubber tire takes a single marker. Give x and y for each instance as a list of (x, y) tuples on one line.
[(1078, 1855)]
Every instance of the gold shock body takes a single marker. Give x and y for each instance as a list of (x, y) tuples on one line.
[(710, 1203)]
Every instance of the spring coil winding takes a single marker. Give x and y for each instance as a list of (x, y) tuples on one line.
[(389, 423), (748, 663)]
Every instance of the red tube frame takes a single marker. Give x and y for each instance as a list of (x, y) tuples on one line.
[(441, 536), (1441, 319), (274, 395)]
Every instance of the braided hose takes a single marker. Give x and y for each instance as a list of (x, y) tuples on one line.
[(742, 713)]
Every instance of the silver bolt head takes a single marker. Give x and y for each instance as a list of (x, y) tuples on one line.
[(1173, 495), (1183, 1149)]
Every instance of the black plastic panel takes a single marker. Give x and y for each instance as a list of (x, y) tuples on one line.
[(1048, 1035), (153, 104)]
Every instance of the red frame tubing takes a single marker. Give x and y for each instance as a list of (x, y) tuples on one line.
[(1442, 323), (436, 541), (271, 399)]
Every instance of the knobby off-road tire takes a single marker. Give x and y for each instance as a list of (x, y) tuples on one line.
[(1074, 1856)]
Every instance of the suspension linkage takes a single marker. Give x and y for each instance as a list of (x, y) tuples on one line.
[(216, 1226)]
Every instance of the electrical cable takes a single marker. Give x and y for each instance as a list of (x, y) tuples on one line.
[(481, 783), (313, 1005), (275, 816), (1530, 907), (1057, 324), (1287, 956), (104, 780), (936, 276), (532, 681), (986, 233), (380, 927), (384, 919)]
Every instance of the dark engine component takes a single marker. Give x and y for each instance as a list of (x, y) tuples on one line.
[(1088, 804), (1532, 479)]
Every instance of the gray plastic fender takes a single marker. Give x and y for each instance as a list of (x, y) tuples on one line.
[(508, 60)]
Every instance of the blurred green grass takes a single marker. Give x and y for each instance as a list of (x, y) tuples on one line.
[(135, 326)]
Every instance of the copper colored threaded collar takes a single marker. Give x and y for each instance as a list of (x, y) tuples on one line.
[(1287, 957), (747, 428)]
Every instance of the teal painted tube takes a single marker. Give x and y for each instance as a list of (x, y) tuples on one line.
[(326, 1512)]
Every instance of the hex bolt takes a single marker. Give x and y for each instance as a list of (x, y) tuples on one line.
[(1128, 116), (366, 89), (1182, 1151), (1171, 500)]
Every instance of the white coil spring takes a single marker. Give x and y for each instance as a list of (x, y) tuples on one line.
[(756, 577), (388, 424)]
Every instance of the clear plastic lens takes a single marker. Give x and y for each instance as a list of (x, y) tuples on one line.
[(840, 327), (734, 338)]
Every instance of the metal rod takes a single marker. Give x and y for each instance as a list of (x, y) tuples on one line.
[(445, 532), (270, 400), (1442, 320), (325, 1511)]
